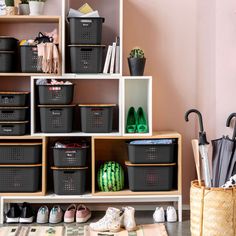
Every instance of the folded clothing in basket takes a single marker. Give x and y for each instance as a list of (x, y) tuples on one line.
[(70, 145), (152, 142), (83, 11), (52, 82)]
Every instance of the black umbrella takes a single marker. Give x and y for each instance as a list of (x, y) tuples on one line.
[(223, 159), (232, 166)]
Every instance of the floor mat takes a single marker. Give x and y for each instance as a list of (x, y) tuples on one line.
[(76, 230)]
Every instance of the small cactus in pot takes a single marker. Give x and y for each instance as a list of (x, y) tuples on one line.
[(136, 62), (36, 7), (10, 7)]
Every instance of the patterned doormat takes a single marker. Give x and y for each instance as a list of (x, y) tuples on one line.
[(77, 230)]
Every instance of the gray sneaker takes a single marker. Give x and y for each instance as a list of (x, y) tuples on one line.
[(56, 215), (42, 215)]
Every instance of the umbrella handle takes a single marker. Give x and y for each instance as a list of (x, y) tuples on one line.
[(199, 117), (231, 116)]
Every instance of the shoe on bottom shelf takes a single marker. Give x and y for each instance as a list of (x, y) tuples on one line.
[(110, 222), (56, 215), (13, 215), (27, 214), (171, 214), (159, 215), (42, 215), (128, 220), (83, 214), (69, 216)]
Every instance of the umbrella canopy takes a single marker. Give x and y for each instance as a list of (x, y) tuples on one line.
[(203, 147), (223, 157)]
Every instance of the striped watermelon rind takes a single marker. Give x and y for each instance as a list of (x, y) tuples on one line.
[(110, 177)]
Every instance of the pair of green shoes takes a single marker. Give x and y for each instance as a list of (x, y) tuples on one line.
[(136, 121)]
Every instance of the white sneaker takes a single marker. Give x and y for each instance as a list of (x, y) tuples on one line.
[(159, 215), (42, 215), (55, 215), (128, 219), (110, 222), (171, 214)]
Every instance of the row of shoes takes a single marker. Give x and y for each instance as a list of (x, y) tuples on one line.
[(26, 214), (136, 121), (115, 219), (160, 215)]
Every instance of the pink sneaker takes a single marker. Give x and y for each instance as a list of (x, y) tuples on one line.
[(83, 214), (69, 216)]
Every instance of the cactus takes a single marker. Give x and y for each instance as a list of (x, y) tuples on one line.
[(10, 3), (136, 53), (24, 2)]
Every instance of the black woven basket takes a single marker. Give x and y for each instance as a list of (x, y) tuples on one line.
[(69, 181), (20, 179)]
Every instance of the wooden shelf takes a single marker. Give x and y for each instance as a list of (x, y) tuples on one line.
[(27, 74), (128, 192), (29, 19), (23, 194)]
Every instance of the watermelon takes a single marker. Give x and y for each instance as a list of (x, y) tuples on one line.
[(110, 177)]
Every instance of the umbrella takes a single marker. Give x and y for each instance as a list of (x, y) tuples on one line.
[(223, 157), (232, 166), (203, 147)]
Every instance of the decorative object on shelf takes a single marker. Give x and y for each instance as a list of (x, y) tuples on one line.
[(10, 7), (110, 177), (2, 8), (136, 62), (36, 7), (136, 121), (24, 7)]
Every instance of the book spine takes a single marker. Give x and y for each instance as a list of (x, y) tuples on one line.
[(108, 60), (117, 67), (113, 54)]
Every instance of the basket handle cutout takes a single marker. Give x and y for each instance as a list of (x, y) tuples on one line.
[(7, 112), (69, 172), (86, 49)]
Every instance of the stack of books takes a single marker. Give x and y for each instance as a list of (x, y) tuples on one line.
[(112, 62)]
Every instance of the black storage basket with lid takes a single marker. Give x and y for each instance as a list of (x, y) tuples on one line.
[(85, 30), (56, 118), (13, 113), (86, 58), (152, 177), (96, 118), (69, 156), (13, 128), (7, 61), (69, 181), (20, 178), (8, 43), (20, 153), (29, 59), (56, 94), (11, 99), (151, 153)]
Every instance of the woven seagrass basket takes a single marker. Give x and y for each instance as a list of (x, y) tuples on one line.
[(213, 211)]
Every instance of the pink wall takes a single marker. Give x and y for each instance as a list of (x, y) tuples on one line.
[(166, 30)]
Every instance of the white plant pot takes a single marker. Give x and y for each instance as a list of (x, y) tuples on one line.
[(24, 9), (36, 8)]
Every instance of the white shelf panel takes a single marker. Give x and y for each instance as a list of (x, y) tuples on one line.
[(75, 134), (79, 76), (89, 198)]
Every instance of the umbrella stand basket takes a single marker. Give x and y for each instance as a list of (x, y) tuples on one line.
[(213, 211)]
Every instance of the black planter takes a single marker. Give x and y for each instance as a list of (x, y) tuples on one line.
[(136, 66)]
